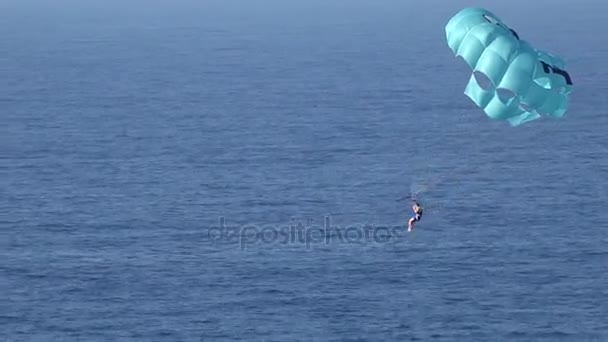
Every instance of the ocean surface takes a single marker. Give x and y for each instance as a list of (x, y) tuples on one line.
[(239, 171)]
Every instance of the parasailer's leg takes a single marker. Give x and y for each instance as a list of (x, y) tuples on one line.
[(410, 224), (413, 219)]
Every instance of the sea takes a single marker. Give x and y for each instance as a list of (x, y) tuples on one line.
[(241, 170)]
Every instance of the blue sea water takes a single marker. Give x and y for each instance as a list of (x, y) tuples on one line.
[(232, 171)]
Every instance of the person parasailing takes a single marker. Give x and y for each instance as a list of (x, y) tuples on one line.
[(417, 215)]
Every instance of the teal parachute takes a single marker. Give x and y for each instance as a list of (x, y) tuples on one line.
[(511, 79)]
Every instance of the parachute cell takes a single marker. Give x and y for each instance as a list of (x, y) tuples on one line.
[(511, 80)]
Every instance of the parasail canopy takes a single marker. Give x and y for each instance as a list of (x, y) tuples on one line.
[(511, 79)]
